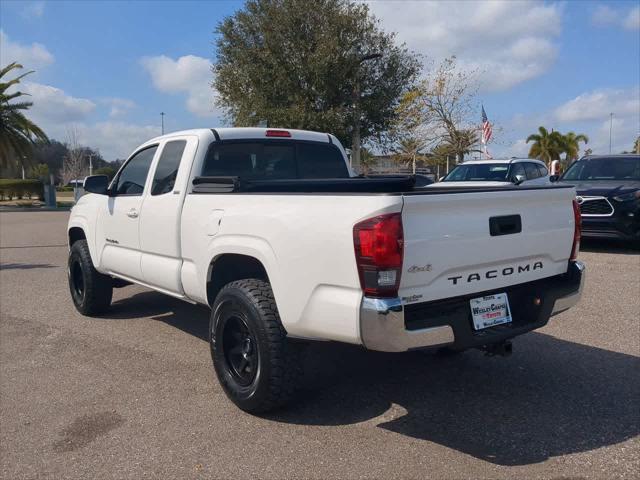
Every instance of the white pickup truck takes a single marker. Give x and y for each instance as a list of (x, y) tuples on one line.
[(272, 230)]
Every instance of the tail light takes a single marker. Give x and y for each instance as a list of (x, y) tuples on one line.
[(379, 246), (577, 231), (278, 133)]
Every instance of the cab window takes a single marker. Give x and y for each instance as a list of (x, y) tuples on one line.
[(133, 176), (164, 177)]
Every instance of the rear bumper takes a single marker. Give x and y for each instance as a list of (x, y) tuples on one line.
[(386, 325)]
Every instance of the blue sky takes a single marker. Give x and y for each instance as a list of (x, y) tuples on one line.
[(107, 69)]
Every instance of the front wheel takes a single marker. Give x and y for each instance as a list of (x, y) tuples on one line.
[(256, 364), (91, 291)]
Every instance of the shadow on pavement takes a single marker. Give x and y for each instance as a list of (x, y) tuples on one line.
[(25, 266), (550, 398), (596, 245), (192, 319)]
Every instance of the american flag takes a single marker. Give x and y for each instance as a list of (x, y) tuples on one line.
[(486, 127)]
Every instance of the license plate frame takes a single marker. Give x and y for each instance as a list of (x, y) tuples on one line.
[(490, 310)]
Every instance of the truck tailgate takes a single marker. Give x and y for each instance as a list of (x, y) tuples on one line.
[(459, 243)]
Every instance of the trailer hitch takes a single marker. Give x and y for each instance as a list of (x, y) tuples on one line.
[(503, 349)]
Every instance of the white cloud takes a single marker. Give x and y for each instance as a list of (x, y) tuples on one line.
[(33, 10), (116, 139), (188, 74), (599, 103), (632, 20), (604, 16), (587, 113), (510, 42), (607, 16), (118, 106), (51, 104), (31, 56)]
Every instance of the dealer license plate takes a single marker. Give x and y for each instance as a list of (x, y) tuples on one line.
[(490, 311)]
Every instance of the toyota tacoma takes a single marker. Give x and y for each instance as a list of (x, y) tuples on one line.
[(273, 231)]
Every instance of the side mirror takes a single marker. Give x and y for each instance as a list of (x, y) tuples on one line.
[(554, 178), (96, 184), (441, 178), (519, 178)]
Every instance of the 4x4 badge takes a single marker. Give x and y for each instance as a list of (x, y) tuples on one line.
[(416, 268)]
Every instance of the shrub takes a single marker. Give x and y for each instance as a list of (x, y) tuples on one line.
[(12, 188)]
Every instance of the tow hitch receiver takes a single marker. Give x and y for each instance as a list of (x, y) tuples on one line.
[(504, 349)]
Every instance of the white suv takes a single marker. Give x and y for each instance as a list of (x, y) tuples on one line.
[(503, 172)]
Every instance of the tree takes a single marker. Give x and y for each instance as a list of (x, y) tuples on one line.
[(449, 97), (636, 145), (408, 152), (461, 142), (571, 145), (108, 171), (40, 171), (546, 145), (412, 131), (439, 111), (329, 68), (17, 132), (75, 165)]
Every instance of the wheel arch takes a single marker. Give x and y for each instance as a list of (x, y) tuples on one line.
[(229, 267), (78, 230)]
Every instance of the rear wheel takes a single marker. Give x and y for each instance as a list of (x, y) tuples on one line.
[(256, 364), (90, 290)]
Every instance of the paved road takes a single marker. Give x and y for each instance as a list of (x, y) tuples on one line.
[(132, 395)]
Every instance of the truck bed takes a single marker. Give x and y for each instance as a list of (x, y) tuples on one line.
[(396, 184)]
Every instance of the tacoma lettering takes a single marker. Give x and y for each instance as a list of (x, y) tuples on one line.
[(506, 271)]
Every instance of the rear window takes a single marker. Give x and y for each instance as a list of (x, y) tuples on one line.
[(274, 160)]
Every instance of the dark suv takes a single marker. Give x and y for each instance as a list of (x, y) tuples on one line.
[(608, 192)]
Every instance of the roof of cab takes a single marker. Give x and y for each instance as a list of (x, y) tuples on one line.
[(241, 133)]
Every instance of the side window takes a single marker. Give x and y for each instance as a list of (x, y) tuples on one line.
[(320, 161), (543, 170), (164, 177), (517, 169), (133, 176), (532, 170)]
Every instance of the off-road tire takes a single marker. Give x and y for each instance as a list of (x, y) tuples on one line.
[(246, 309), (90, 290)]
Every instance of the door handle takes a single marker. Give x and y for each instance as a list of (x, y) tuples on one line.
[(133, 213)]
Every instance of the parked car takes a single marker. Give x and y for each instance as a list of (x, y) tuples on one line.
[(608, 189), (271, 230), (497, 173)]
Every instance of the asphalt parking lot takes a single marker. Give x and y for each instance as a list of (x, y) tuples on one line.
[(133, 395)]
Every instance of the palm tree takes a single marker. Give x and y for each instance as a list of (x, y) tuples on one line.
[(571, 144), (461, 142), (407, 152), (546, 145), (17, 132)]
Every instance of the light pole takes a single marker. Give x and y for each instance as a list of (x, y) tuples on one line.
[(610, 129), (90, 164), (162, 121), (355, 140)]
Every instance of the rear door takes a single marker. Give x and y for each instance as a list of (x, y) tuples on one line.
[(118, 226), (160, 217), (450, 249)]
